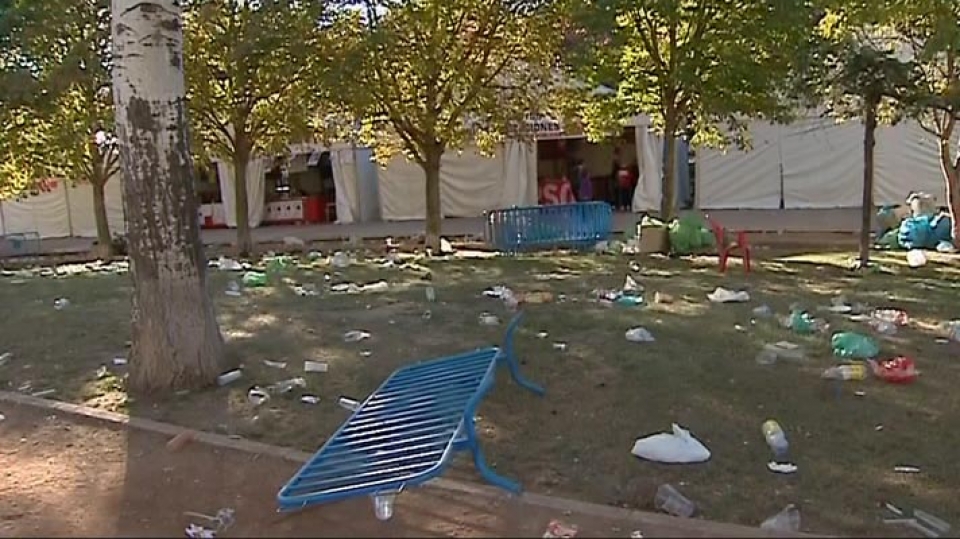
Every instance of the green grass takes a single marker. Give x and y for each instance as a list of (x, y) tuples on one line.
[(603, 392)]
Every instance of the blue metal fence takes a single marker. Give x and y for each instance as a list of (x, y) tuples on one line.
[(574, 226)]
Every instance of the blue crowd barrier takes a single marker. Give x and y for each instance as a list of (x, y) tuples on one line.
[(573, 226)]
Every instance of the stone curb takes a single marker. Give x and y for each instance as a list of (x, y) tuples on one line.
[(561, 505)]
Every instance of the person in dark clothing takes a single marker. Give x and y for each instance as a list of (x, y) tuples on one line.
[(624, 199)]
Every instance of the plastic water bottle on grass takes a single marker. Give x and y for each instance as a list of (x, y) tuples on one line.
[(776, 439)]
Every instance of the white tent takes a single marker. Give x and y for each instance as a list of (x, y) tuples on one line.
[(63, 211), (818, 163), (470, 183), (342, 159)]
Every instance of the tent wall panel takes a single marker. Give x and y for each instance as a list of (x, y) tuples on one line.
[(46, 214), (741, 179), (822, 164)]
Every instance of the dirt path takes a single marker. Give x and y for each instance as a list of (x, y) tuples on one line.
[(64, 476)]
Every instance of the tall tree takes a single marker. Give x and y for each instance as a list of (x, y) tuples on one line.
[(930, 30), (690, 65), (176, 340), (428, 76), (58, 76), (248, 65), (854, 73)]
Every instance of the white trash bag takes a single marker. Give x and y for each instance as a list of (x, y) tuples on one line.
[(679, 447), (722, 295), (916, 258)]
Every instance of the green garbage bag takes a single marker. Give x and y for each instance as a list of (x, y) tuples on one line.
[(254, 279), (890, 239), (278, 264), (689, 235), (850, 345), (801, 322)]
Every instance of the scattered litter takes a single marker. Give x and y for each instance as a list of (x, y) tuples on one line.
[(487, 319), (636, 534), (496, 292), (349, 404), (630, 285), (860, 393), (275, 364), (293, 241), (662, 298), (340, 260), (378, 286), (946, 247), (286, 386), (950, 330), (43, 393), (229, 377), (310, 399), (306, 290), (893, 316), (669, 500), (5, 358), (102, 372), (776, 439), (559, 530), (561, 346), (845, 372), (427, 315), (119, 361), (899, 370), (445, 246), (365, 353), (678, 447), (782, 467), (851, 345), (181, 439), (2, 417), (878, 428), (315, 366), (786, 521), (738, 327), (61, 303), (257, 396), (916, 258), (629, 301), (785, 350), (542, 335), (199, 532), (634, 266), (722, 295), (233, 289), (763, 311), (431, 294), (229, 264), (254, 279), (801, 322), (639, 335), (355, 335), (938, 341), (221, 521), (906, 469)]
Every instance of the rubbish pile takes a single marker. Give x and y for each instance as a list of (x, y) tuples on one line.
[(917, 226)]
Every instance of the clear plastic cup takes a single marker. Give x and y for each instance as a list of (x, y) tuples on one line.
[(383, 505), (669, 500)]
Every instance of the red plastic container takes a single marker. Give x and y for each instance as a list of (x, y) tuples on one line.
[(313, 209)]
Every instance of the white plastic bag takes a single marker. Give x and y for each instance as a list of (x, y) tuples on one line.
[(722, 295), (680, 447), (639, 334), (916, 258)]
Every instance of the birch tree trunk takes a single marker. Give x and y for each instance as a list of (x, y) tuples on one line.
[(176, 340)]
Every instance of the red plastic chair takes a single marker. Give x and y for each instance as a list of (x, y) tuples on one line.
[(740, 247)]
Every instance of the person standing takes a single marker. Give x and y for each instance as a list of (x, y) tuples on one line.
[(584, 182), (624, 188)]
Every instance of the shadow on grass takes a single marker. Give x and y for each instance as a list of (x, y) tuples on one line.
[(603, 392)]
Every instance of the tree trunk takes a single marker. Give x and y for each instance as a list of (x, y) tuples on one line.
[(950, 168), (176, 341), (668, 198), (866, 210), (431, 169), (242, 202), (104, 241)]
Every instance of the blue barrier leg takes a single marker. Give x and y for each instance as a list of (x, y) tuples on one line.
[(486, 472), (508, 356)]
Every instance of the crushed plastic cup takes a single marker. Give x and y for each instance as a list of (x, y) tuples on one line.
[(349, 404), (786, 521), (487, 319), (61, 303), (383, 505), (257, 396), (229, 377), (669, 500), (355, 335), (310, 399)]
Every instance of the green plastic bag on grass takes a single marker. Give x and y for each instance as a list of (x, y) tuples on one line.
[(849, 345), (889, 240), (689, 235), (254, 279)]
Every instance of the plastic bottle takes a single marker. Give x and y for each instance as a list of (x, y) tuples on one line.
[(845, 372), (431, 294), (776, 438)]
